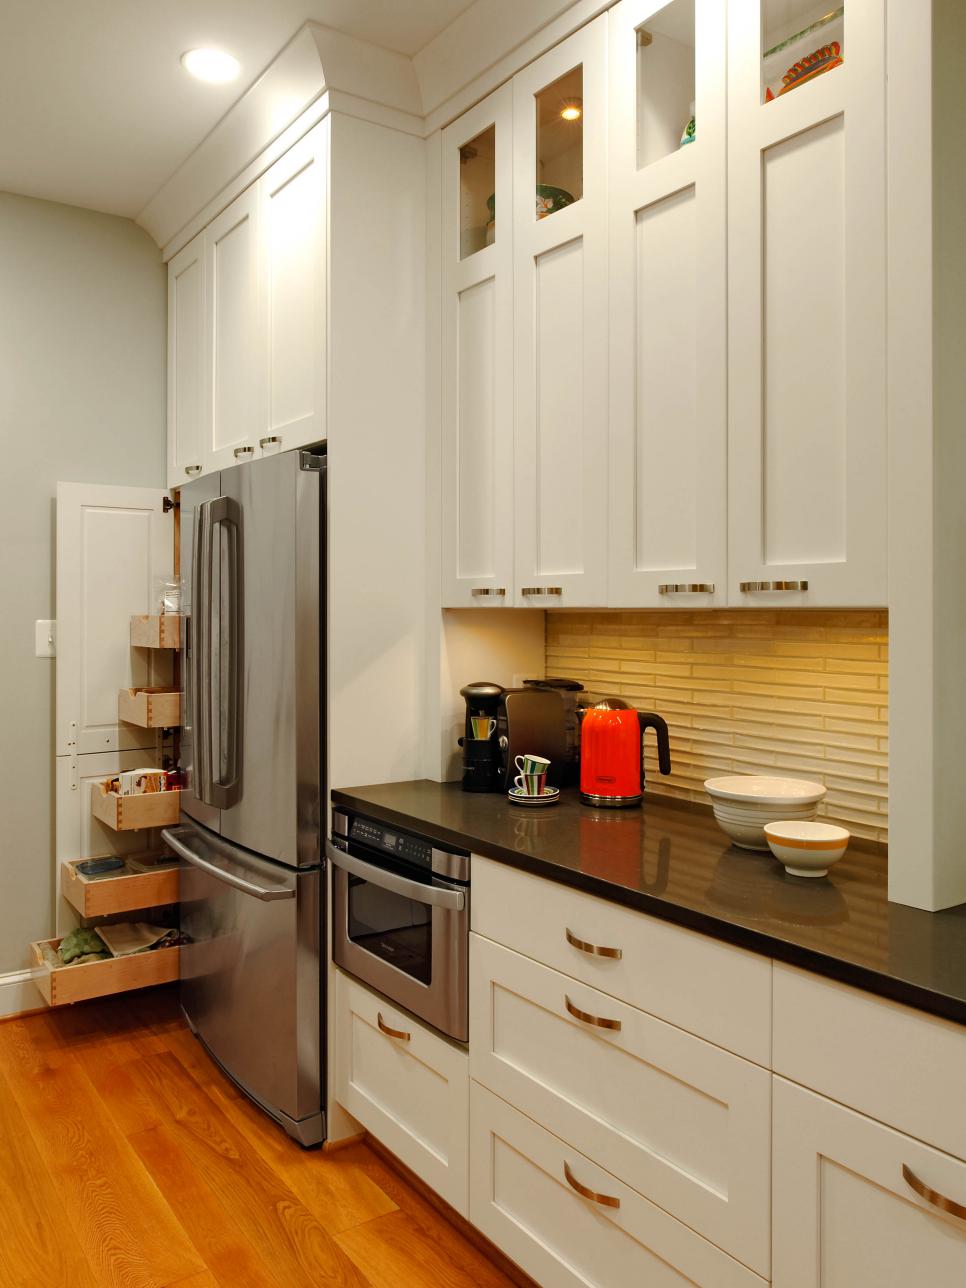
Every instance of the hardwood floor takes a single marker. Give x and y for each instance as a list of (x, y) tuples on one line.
[(128, 1160)]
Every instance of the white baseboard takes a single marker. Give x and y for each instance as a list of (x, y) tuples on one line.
[(19, 993)]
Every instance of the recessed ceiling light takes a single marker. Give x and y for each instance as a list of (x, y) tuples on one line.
[(212, 65), (572, 109)]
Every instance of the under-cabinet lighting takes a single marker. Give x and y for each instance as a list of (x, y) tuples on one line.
[(211, 65)]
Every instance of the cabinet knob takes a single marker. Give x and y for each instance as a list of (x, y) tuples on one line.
[(541, 590), (485, 590), (270, 441), (753, 587), (192, 469), (686, 588), (243, 451)]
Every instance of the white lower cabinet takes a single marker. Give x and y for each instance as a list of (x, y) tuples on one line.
[(679, 1120), (567, 1221), (857, 1203), (405, 1084)]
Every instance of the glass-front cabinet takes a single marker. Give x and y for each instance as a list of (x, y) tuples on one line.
[(668, 310), (663, 314), (477, 356)]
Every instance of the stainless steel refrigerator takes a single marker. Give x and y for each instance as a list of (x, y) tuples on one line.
[(253, 572)]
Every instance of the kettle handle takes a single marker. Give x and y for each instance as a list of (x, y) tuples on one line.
[(649, 720)]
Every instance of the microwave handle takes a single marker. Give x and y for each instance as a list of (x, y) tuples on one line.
[(437, 896)]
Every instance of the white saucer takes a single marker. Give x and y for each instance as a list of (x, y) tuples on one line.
[(519, 797)]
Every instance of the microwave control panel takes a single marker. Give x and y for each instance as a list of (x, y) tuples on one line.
[(410, 849)]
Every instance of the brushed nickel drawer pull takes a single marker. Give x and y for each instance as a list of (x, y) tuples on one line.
[(485, 590), (593, 949), (541, 590), (686, 588), (192, 469), (391, 1033), (587, 1018), (270, 440), (932, 1196), (244, 451), (605, 1200), (753, 587)]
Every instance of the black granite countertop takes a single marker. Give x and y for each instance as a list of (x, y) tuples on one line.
[(673, 862)]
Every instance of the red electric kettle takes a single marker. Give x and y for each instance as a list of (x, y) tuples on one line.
[(612, 755)]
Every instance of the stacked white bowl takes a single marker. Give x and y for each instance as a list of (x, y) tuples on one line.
[(744, 803)]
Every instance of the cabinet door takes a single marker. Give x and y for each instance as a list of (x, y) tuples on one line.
[(292, 230), (560, 323), (668, 315), (806, 228), (477, 380), (187, 404), (847, 1204), (237, 383)]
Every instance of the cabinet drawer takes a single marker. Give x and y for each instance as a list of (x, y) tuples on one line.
[(889, 1061), (845, 1214), (410, 1091), (150, 708), (162, 631), (709, 988), (60, 985), (125, 893), (522, 1199), (679, 1120), (131, 813)]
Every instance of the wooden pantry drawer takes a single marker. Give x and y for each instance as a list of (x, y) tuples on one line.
[(410, 1091), (521, 1199), (130, 813), (124, 893), (847, 1215), (64, 984), (156, 632), (720, 992), (150, 708), (679, 1120), (892, 1062)]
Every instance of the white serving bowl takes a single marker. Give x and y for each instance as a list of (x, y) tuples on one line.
[(744, 803), (806, 849)]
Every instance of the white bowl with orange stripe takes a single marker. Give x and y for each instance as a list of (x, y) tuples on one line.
[(806, 849)]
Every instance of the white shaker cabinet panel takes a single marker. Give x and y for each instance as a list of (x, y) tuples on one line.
[(857, 1203), (477, 337), (187, 388), (668, 313), (560, 323), (292, 230), (237, 384), (806, 231)]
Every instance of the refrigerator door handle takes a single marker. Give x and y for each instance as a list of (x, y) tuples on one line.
[(225, 792), (200, 635), (435, 895), (266, 893)]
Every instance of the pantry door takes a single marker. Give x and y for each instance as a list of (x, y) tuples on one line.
[(806, 283), (560, 323), (113, 544)]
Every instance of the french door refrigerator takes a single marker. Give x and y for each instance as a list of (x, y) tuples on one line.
[(250, 835)]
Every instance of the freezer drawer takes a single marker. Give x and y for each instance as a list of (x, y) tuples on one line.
[(250, 973)]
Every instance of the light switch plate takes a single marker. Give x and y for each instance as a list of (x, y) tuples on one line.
[(45, 638)]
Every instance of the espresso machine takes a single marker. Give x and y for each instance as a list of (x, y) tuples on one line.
[(481, 754)]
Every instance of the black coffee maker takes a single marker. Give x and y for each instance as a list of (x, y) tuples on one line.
[(481, 758)]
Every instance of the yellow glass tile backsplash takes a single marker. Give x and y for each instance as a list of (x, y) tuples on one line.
[(793, 692)]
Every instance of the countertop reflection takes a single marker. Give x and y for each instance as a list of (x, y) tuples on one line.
[(673, 862)]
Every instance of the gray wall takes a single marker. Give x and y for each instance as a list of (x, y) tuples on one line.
[(82, 333)]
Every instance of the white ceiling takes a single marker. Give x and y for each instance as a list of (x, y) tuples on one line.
[(96, 109)]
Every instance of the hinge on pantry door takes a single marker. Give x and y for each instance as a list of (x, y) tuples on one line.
[(72, 746)]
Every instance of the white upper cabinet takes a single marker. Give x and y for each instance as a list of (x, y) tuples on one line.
[(668, 314), (477, 368), (560, 323), (292, 218), (235, 333), (187, 390), (806, 233)]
